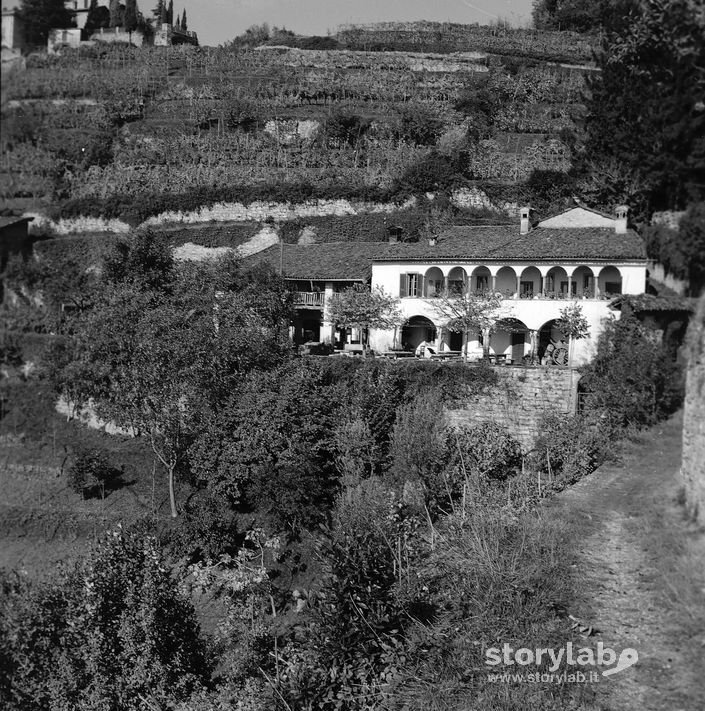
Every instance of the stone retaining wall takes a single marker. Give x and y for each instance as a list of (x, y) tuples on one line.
[(520, 399), (693, 466)]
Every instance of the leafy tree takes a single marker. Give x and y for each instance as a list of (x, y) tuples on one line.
[(486, 450), (115, 13), (573, 324), (144, 261), (271, 449), (130, 17), (362, 308), (159, 11), (41, 16), (691, 245), (471, 313), (170, 13), (633, 380), (98, 18), (645, 111), (184, 25), (580, 15)]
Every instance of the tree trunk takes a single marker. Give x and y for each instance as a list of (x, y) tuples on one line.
[(172, 498)]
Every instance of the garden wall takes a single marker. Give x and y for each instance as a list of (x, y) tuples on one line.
[(693, 466), (520, 399)]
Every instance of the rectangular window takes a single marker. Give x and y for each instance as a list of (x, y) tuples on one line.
[(483, 282), (410, 285), (573, 287)]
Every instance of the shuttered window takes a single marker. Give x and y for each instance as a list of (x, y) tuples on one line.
[(410, 285)]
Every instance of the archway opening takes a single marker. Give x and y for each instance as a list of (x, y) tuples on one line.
[(433, 282), (553, 344), (557, 283), (584, 280), (511, 339), (416, 330), (530, 283), (610, 281), (506, 282), (481, 280), (457, 281)]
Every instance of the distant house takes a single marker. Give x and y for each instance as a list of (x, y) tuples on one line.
[(13, 33), (14, 237), (579, 256)]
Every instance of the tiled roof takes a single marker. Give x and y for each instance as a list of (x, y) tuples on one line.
[(503, 242), (329, 260), (492, 243)]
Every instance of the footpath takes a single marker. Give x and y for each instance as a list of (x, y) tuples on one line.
[(639, 569)]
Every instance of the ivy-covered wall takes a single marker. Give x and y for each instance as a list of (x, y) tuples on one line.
[(520, 399)]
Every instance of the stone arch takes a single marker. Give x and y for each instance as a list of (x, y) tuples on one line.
[(433, 282), (506, 281), (584, 282), (547, 333), (457, 281), (530, 282), (417, 329), (511, 339), (609, 281), (481, 279), (556, 282)]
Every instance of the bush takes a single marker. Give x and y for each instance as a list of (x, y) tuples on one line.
[(568, 448), (91, 473), (486, 450), (633, 380)]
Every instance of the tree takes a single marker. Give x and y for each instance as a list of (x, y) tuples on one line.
[(98, 18), (170, 13), (691, 244), (471, 313), (130, 17), (184, 25), (159, 11), (573, 324), (115, 13), (41, 16), (645, 108), (362, 308)]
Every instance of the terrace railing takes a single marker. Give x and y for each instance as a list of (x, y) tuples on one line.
[(309, 298)]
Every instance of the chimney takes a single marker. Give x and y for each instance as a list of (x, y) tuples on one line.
[(394, 233), (620, 224), (525, 220)]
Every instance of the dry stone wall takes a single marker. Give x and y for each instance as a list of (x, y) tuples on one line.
[(519, 401), (693, 466)]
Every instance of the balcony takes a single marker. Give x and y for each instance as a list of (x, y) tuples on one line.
[(544, 295), (309, 299)]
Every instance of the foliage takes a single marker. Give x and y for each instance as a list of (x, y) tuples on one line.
[(486, 450), (91, 470), (143, 261), (112, 632), (655, 136), (270, 448), (580, 15), (633, 380), (469, 313), (418, 453), (41, 16), (362, 308), (569, 448), (353, 637)]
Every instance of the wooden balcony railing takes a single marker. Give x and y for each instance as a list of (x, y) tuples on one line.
[(309, 298)]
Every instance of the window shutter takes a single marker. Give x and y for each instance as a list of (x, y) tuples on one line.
[(403, 285)]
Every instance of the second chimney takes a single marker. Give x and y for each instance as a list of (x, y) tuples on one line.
[(620, 224)]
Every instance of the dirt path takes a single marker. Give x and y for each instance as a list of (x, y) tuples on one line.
[(640, 574)]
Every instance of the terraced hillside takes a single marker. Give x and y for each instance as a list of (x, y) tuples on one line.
[(129, 133)]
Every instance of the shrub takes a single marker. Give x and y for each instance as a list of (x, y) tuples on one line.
[(486, 450), (568, 448), (91, 472), (633, 380)]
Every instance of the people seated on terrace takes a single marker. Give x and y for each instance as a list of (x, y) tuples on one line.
[(423, 350)]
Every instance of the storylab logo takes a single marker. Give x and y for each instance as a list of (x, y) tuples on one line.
[(576, 665)]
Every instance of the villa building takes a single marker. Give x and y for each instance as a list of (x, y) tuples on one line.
[(579, 256)]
